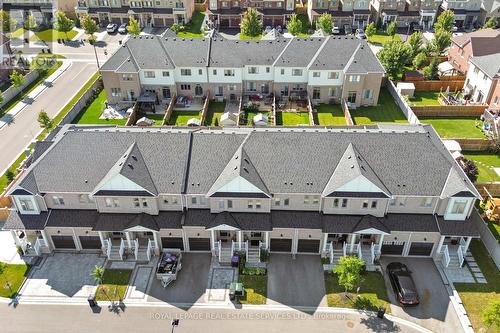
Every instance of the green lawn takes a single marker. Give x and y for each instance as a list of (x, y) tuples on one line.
[(114, 285), (495, 229), (180, 118), (476, 296), (381, 37), (19, 97), (485, 163), (387, 111), (292, 118), (329, 115), (158, 118), (466, 127), (215, 110), (425, 98), (250, 115), (255, 289), (372, 293), (11, 278), (91, 114), (49, 35), (193, 28), (245, 37)]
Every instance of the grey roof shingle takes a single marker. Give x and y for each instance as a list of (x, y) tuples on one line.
[(235, 53), (299, 52), (16, 221), (241, 221), (489, 64), (187, 52), (460, 228)]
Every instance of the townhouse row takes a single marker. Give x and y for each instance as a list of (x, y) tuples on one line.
[(319, 191), (327, 69)]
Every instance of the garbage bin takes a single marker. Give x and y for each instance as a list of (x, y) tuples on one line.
[(235, 260), (381, 312), (91, 300)]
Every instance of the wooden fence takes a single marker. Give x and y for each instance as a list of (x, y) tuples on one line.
[(448, 110), (310, 111), (473, 144), (170, 109), (204, 109), (273, 111), (436, 85), (492, 188), (347, 114), (132, 119)]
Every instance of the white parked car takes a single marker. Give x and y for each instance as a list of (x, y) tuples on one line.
[(336, 30), (111, 28), (360, 34), (123, 28)]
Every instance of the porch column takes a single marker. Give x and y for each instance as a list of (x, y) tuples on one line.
[(76, 240), (157, 242), (212, 237), (467, 243), (185, 241), (295, 241), (440, 245), (101, 238), (325, 239), (129, 239), (353, 240), (267, 240), (406, 248), (380, 242), (16, 238), (240, 239), (47, 240)]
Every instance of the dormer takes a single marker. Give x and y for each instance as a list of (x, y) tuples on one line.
[(24, 195), (461, 195)]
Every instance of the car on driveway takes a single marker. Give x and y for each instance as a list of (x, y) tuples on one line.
[(111, 28), (336, 30), (402, 283), (123, 28), (360, 34)]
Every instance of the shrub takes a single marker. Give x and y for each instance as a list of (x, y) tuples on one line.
[(469, 168), (254, 271), (9, 175), (264, 255), (420, 60)]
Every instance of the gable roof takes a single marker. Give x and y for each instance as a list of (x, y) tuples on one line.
[(457, 183), (482, 41), (351, 166), (368, 222), (489, 64)]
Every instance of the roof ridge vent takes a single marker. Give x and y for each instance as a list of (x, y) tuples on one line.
[(246, 170), (130, 165)]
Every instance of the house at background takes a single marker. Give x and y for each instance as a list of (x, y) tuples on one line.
[(467, 13), (473, 44), (159, 13), (352, 13), (6, 58), (329, 192), (326, 69), (483, 79), (42, 10)]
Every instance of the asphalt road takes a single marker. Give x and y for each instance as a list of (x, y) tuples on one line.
[(79, 318)]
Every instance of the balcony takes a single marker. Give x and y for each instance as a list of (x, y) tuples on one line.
[(82, 7)]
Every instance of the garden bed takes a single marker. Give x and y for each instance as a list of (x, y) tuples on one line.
[(372, 293), (454, 127), (255, 289), (11, 278), (387, 111), (329, 115), (292, 118), (114, 285)]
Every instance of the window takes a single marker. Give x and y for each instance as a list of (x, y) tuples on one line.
[(365, 204), (214, 72), (221, 204), (166, 200), (336, 203), (286, 202), (193, 200), (219, 91), (367, 94), (374, 204), (165, 73), (200, 71), (251, 86), (83, 198), (127, 77), (485, 77), (58, 201), (316, 74), (26, 204), (476, 70), (306, 200), (277, 201), (174, 200), (354, 78), (230, 204), (316, 93), (333, 75), (253, 70), (392, 202), (268, 69), (296, 72), (203, 200), (250, 204), (458, 207), (185, 72), (110, 202), (344, 203), (258, 204), (136, 202), (185, 87), (229, 72), (315, 199), (351, 97), (426, 202), (282, 71), (331, 92), (116, 92), (149, 74)]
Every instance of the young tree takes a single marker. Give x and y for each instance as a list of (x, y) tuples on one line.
[(98, 274), (89, 25), (445, 21), (30, 23), (349, 272), (393, 56), (442, 39), (469, 168), (370, 30), (420, 60), (44, 120), (17, 79), (415, 42), (133, 27), (8, 23), (391, 29), (250, 24), (295, 25), (491, 23), (431, 71), (325, 23), (63, 23), (491, 314)]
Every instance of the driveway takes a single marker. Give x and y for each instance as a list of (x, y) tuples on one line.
[(296, 282), (62, 275), (435, 311), (191, 283)]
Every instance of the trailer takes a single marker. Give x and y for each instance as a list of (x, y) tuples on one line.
[(169, 265)]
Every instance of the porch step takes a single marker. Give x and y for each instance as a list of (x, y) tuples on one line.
[(225, 256), (253, 255)]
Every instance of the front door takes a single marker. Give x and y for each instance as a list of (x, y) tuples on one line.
[(226, 236), (198, 90), (166, 92)]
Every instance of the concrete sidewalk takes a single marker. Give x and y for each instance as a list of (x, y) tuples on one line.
[(9, 116)]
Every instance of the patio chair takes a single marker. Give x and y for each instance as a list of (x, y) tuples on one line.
[(166, 280)]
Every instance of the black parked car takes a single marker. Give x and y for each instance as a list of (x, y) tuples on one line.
[(403, 284)]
